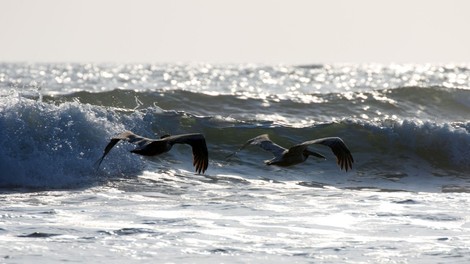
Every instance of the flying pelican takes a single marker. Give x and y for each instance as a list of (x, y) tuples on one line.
[(299, 153), (154, 147)]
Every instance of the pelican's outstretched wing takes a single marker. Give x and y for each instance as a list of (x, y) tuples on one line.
[(198, 144), (343, 156), (127, 136), (265, 143)]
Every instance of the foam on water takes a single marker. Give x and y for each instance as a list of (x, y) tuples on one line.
[(48, 145), (154, 218)]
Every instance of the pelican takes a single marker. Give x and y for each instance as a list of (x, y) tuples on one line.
[(299, 153), (154, 147)]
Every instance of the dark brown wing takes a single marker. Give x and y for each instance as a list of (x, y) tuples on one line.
[(343, 156), (127, 136), (199, 147)]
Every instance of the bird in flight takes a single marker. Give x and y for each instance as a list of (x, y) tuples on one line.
[(154, 147), (299, 153)]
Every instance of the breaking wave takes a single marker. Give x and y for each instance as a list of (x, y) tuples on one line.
[(53, 142)]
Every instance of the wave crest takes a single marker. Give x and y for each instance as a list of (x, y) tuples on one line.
[(48, 145), (55, 144)]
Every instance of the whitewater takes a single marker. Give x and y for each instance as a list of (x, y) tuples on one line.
[(404, 201)]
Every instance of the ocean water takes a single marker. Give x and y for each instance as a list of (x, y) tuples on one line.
[(405, 200)]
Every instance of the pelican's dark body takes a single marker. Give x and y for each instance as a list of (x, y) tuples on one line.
[(299, 153), (290, 159), (154, 147)]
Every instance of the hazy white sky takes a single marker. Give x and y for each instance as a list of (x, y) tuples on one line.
[(235, 31)]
